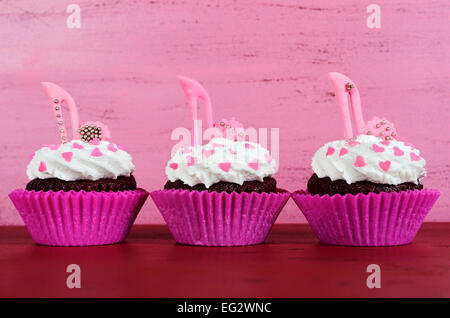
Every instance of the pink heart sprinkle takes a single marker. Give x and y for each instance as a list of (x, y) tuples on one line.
[(174, 165), (407, 144), (111, 147), (385, 165), (377, 148), (254, 165), (67, 156), (231, 151), (398, 152), (248, 146), (268, 158), (32, 156), (353, 143), (42, 166), (343, 152), (330, 151), (385, 142), (217, 145), (53, 147), (185, 151), (191, 160), (225, 166), (95, 142), (415, 157), (96, 153), (77, 146), (207, 152), (359, 162)]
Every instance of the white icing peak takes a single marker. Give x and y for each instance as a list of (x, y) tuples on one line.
[(220, 160), (368, 158), (77, 160)]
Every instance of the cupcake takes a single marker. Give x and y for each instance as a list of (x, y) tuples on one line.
[(81, 191), (221, 193), (366, 190)]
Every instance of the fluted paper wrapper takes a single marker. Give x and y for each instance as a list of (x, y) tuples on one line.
[(219, 218), (78, 218), (383, 219)]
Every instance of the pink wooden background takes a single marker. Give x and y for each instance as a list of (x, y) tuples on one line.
[(264, 62)]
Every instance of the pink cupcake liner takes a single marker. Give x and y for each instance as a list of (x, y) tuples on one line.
[(78, 218), (383, 219), (219, 218)]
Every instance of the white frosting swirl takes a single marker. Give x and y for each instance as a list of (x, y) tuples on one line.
[(369, 159), (221, 160), (78, 160)]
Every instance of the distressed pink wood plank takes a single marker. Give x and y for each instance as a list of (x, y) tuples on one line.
[(121, 67)]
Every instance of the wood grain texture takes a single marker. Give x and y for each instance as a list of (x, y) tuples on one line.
[(264, 62), (291, 264)]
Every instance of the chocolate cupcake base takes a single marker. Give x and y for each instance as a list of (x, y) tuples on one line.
[(122, 183), (322, 186), (268, 185)]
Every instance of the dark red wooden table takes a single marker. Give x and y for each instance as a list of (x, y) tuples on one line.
[(292, 263)]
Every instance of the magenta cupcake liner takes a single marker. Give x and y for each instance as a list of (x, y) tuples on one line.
[(78, 218), (219, 218), (383, 219)]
